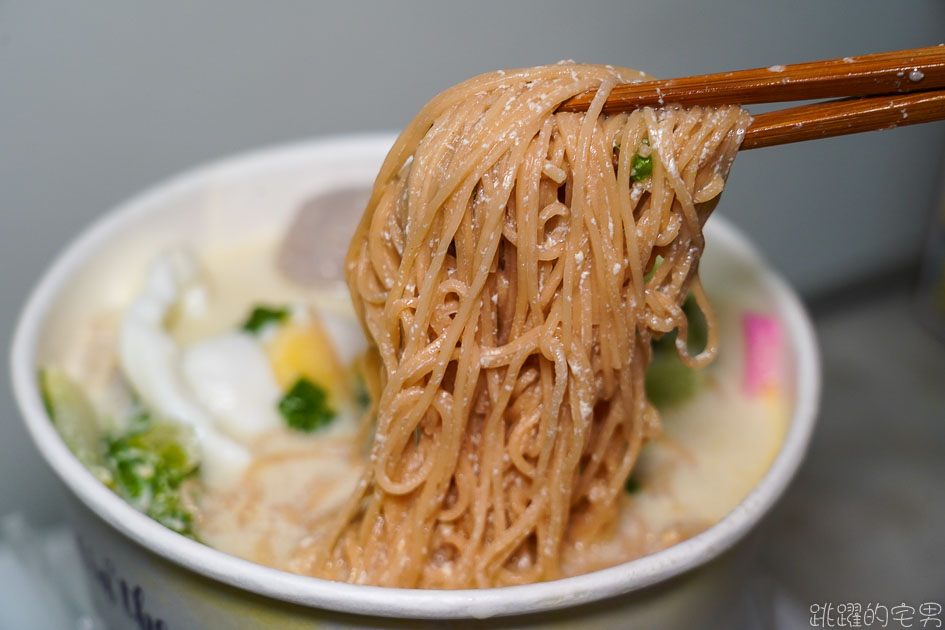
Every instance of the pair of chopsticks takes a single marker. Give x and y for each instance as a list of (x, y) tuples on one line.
[(879, 91)]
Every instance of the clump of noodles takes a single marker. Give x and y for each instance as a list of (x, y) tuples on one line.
[(505, 269)]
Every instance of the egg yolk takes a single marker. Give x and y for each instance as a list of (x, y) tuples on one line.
[(297, 351)]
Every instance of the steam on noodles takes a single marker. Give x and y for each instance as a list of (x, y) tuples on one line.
[(507, 270)]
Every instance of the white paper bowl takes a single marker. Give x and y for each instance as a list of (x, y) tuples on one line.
[(140, 571)]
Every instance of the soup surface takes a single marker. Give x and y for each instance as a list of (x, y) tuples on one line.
[(267, 374)]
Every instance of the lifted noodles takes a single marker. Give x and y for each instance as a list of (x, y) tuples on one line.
[(506, 270)]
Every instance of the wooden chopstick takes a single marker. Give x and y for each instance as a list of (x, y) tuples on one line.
[(882, 73), (893, 89), (844, 116)]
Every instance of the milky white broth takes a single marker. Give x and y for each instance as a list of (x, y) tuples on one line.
[(712, 450)]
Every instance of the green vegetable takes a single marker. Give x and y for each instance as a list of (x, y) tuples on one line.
[(641, 167), (75, 419), (632, 485), (262, 316), (697, 335), (656, 264), (305, 407), (149, 467), (145, 466), (668, 380)]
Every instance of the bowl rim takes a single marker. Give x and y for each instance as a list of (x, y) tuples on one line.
[(385, 601)]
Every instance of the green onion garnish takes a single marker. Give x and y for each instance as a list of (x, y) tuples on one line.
[(641, 167), (261, 316), (305, 407)]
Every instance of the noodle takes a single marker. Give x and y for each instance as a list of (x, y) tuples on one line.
[(505, 270)]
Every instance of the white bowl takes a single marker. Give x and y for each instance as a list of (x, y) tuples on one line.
[(138, 569)]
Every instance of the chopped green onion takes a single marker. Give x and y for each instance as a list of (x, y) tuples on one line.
[(656, 264), (641, 167), (149, 467), (145, 465), (305, 407), (262, 316)]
